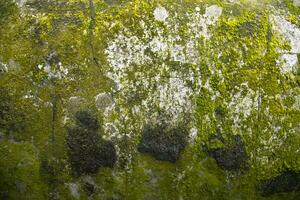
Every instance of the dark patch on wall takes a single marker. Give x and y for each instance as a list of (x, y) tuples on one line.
[(163, 143), (288, 181), (86, 119), (232, 158), (12, 120), (89, 188), (219, 113), (87, 151)]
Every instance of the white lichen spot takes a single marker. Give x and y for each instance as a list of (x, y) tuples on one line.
[(289, 63), (40, 66), (193, 134), (296, 2), (242, 104), (47, 69), (104, 102), (177, 53), (212, 13), (297, 103), (157, 45), (198, 24), (191, 52), (160, 14), (174, 95), (3, 68), (74, 190), (56, 72), (289, 31)]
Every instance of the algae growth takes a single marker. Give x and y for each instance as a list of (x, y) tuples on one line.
[(158, 99)]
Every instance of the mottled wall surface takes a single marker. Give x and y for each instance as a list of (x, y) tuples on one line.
[(164, 99)]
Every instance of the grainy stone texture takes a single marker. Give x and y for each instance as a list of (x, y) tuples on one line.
[(162, 78)]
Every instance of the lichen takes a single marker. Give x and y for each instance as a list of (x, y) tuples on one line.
[(227, 68)]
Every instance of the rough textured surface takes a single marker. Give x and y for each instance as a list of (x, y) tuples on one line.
[(210, 66)]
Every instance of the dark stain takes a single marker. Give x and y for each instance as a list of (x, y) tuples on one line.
[(288, 181), (163, 143)]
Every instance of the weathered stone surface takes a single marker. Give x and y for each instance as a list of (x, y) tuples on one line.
[(289, 31), (104, 101), (153, 178), (229, 65)]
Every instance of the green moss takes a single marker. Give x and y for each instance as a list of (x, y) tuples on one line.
[(19, 169), (240, 57)]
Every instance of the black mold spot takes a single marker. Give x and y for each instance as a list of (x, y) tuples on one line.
[(163, 143), (233, 158), (89, 188), (87, 119), (87, 151), (288, 181)]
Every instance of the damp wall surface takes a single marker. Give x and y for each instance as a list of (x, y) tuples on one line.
[(166, 99)]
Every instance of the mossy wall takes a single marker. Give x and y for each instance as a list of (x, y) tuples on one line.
[(221, 77)]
